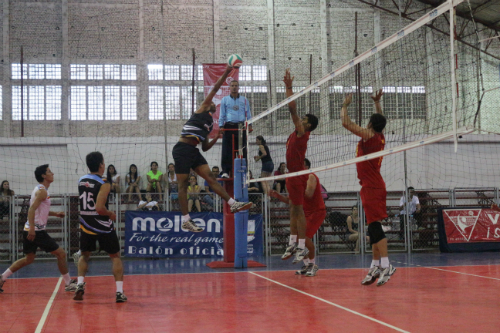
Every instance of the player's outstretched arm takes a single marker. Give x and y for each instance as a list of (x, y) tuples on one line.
[(364, 133), (205, 145), (376, 100), (292, 106), (208, 100)]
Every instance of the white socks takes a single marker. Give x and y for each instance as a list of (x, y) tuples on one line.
[(66, 278), (384, 262), (185, 218), (119, 286), (6, 274), (231, 202), (80, 279), (302, 243), (375, 263)]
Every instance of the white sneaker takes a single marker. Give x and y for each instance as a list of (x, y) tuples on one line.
[(290, 251), (191, 226), (224, 175), (385, 275), (312, 270), (372, 275), (300, 254), (239, 206)]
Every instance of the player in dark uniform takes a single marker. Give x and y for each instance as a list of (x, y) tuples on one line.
[(373, 192), (96, 224), (296, 147), (187, 156)]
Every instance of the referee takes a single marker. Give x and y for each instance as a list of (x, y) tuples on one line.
[(234, 110)]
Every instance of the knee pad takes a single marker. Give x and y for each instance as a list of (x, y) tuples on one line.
[(375, 232)]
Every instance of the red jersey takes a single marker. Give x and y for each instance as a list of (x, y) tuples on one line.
[(296, 151), (369, 171), (314, 203)]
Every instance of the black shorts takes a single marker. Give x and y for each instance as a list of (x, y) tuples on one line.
[(107, 242), (186, 157), (42, 240)]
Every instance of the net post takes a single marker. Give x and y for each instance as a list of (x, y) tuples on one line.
[(454, 84), (240, 218)]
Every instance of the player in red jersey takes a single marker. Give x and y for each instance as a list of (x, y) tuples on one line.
[(296, 147), (373, 192), (315, 213)]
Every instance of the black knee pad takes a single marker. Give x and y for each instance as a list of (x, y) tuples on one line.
[(375, 232)]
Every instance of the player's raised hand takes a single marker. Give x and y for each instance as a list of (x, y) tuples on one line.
[(347, 100), (288, 79), (378, 96)]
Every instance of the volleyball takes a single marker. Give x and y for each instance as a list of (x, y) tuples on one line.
[(234, 60)]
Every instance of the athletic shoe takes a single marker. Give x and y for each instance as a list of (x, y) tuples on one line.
[(303, 270), (80, 290), (71, 286), (239, 206), (300, 254), (120, 297), (191, 226), (312, 270), (76, 258), (290, 251), (372, 275), (224, 175), (1, 283), (386, 275)]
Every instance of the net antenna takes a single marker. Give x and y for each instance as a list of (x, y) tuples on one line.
[(431, 89)]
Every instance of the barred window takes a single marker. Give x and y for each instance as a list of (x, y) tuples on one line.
[(39, 103)]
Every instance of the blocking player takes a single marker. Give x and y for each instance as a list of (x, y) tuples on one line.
[(315, 213), (373, 192), (296, 147), (187, 156), (96, 224), (34, 234)]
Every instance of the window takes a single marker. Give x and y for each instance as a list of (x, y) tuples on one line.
[(39, 103), (37, 71), (255, 73), (174, 72), (103, 103), (106, 72)]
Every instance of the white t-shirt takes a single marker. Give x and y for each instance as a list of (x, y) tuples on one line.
[(413, 204), (113, 178), (149, 205), (42, 212)]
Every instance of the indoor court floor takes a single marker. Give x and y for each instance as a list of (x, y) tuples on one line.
[(430, 292)]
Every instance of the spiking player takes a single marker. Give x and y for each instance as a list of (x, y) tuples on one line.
[(34, 234), (315, 213), (296, 147), (187, 156), (373, 192), (96, 224)]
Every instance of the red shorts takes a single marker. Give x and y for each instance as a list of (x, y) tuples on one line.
[(374, 203), (296, 187), (314, 220)]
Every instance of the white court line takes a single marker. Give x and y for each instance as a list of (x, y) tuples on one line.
[(336, 305), (47, 308), (447, 270)]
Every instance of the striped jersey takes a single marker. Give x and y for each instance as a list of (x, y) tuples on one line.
[(42, 212), (198, 126), (90, 221)]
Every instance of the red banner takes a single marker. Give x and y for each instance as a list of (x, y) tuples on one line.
[(471, 225), (211, 73)]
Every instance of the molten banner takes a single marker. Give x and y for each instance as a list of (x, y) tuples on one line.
[(211, 73), (471, 225)]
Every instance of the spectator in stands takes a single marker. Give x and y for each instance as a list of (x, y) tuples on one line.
[(147, 203), (267, 161), (279, 185), (209, 199), (113, 178), (172, 185), (353, 227), (194, 194), (413, 205), (155, 178), (133, 180), (6, 195), (254, 190)]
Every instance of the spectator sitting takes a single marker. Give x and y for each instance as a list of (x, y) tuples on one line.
[(147, 203), (6, 195), (209, 199), (413, 205), (267, 161), (113, 178), (173, 188), (133, 180), (353, 227), (193, 194), (280, 184), (254, 187), (155, 177)]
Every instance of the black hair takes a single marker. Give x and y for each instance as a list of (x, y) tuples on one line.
[(151, 165), (215, 167), (9, 191), (411, 188), (109, 176), (378, 122), (132, 178), (279, 168), (307, 162), (235, 81), (262, 140), (313, 121), (39, 171), (94, 160)]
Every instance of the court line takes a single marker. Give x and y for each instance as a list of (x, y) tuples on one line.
[(331, 303), (47, 308), (447, 270)]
